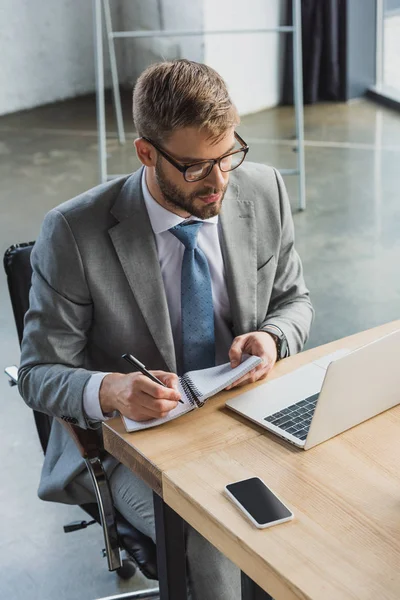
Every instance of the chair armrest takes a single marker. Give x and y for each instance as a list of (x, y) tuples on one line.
[(87, 443), (86, 440), (12, 373)]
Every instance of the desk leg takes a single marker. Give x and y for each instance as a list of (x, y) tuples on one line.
[(171, 554), (251, 591)]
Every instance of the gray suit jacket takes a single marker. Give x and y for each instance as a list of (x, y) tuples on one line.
[(97, 292)]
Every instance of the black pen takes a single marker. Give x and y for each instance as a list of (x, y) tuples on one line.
[(136, 363)]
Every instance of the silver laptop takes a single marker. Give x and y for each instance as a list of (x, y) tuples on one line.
[(324, 398)]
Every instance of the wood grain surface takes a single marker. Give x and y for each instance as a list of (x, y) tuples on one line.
[(151, 452), (344, 542)]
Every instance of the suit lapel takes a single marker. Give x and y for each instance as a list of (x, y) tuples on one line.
[(135, 245), (239, 250)]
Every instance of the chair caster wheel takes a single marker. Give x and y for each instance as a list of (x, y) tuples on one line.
[(127, 570)]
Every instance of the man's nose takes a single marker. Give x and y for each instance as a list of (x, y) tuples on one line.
[(217, 178)]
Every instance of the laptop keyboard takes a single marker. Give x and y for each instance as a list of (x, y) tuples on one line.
[(295, 419)]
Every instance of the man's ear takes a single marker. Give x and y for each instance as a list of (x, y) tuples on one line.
[(146, 153)]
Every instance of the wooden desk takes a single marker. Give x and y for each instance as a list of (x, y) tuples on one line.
[(345, 493)]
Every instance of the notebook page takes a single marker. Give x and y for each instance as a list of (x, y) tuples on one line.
[(209, 382), (181, 409)]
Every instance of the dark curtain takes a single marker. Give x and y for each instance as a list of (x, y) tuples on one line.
[(321, 31)]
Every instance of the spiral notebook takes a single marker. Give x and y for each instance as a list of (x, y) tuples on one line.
[(196, 387)]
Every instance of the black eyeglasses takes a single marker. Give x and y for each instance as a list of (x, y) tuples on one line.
[(199, 170)]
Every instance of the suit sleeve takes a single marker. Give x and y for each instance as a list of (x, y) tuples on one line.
[(52, 377), (290, 307)]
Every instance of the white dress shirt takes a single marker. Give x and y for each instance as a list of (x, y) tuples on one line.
[(170, 254)]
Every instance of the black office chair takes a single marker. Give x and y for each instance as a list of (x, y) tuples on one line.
[(118, 533)]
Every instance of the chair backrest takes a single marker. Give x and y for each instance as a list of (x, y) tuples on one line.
[(17, 266)]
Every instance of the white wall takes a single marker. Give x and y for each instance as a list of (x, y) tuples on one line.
[(155, 15), (249, 63), (46, 47), (46, 50)]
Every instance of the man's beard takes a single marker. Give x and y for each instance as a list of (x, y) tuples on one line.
[(177, 199)]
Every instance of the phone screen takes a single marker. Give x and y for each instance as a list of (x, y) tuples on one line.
[(258, 500)]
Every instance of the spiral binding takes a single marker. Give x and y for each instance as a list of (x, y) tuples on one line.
[(191, 391)]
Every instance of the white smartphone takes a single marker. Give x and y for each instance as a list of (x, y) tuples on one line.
[(258, 502)]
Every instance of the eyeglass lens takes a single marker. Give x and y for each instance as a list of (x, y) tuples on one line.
[(228, 163)]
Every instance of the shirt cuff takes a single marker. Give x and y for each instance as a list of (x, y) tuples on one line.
[(91, 401)]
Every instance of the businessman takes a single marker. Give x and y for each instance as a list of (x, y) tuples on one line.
[(187, 263)]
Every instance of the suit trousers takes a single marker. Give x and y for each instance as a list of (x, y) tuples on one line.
[(210, 574)]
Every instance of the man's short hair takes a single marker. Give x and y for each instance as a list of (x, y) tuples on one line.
[(182, 93)]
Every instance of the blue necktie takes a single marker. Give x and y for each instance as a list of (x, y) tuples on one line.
[(198, 339)]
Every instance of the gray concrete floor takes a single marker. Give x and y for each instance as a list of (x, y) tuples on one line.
[(348, 239)]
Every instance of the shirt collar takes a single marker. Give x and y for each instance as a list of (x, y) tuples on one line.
[(162, 219)]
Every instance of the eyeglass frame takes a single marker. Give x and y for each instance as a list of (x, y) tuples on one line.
[(212, 161)]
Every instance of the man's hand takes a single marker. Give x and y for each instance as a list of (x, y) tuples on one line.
[(257, 343), (137, 397)]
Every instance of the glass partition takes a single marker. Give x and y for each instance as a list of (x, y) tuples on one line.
[(388, 48)]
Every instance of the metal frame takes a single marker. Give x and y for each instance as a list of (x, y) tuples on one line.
[(379, 45), (107, 515), (251, 591), (106, 510), (295, 29), (114, 72), (171, 551)]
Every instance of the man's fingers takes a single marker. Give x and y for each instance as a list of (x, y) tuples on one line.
[(170, 379), (139, 398), (157, 407), (154, 408), (266, 362), (155, 390), (245, 379), (257, 373), (235, 351), (251, 377), (144, 411)]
